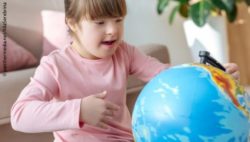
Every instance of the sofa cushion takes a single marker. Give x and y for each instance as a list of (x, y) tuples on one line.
[(55, 31), (11, 85), (14, 56)]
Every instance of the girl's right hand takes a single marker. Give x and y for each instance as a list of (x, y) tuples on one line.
[(97, 111)]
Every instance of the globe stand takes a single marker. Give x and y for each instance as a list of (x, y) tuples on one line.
[(206, 58)]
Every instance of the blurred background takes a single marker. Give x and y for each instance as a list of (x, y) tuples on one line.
[(33, 28)]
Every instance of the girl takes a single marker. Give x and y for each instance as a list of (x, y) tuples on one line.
[(79, 92)]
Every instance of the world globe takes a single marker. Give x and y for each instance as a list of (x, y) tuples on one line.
[(192, 103)]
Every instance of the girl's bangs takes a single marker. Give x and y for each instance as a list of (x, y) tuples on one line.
[(105, 8)]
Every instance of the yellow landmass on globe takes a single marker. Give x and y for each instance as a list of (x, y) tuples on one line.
[(227, 84)]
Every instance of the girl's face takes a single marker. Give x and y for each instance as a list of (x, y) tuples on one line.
[(99, 38)]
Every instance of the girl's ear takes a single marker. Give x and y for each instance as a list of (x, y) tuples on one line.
[(72, 25)]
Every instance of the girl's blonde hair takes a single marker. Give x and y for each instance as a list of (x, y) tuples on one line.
[(77, 10)]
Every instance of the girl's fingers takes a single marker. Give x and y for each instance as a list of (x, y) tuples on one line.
[(104, 122), (107, 119), (231, 67), (112, 106), (102, 125), (109, 112), (236, 75)]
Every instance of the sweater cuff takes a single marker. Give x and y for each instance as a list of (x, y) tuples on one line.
[(81, 123)]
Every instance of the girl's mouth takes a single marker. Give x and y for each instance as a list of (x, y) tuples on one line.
[(110, 42)]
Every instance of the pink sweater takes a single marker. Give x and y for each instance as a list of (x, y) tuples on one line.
[(51, 101)]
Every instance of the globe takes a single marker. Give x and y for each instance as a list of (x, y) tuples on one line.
[(192, 103)]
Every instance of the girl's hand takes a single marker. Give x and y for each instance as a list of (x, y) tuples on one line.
[(233, 69), (97, 111)]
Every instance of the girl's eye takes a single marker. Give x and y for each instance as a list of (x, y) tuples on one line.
[(119, 20), (99, 22)]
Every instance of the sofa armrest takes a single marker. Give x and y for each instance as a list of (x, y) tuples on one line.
[(11, 85)]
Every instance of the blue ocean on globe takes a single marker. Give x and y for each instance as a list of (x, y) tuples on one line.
[(192, 103)]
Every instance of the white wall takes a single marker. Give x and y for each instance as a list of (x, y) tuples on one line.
[(143, 25)]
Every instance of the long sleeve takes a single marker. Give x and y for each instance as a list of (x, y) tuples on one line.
[(51, 101), (36, 111), (143, 66)]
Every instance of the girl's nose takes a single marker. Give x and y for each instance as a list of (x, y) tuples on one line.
[(111, 29)]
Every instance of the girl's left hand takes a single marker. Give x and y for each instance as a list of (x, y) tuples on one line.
[(233, 69)]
